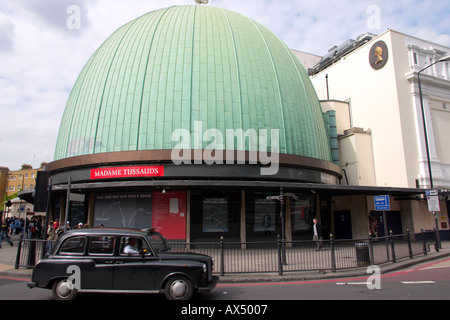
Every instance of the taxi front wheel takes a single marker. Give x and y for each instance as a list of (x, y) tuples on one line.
[(179, 288), (63, 290)]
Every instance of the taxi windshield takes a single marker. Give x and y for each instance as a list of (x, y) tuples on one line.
[(158, 242)]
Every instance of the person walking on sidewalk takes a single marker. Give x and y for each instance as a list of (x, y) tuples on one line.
[(51, 232), (4, 234), (317, 234)]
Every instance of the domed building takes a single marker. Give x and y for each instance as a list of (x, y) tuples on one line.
[(190, 119)]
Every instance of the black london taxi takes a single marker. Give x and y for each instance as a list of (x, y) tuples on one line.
[(121, 261)]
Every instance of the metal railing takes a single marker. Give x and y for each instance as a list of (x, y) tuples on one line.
[(283, 256), (30, 251)]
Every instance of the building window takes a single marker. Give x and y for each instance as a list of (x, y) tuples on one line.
[(121, 210), (262, 216), (302, 212), (415, 58), (215, 214)]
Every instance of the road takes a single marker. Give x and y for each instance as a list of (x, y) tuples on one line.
[(429, 281)]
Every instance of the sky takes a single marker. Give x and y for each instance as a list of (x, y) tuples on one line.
[(44, 44)]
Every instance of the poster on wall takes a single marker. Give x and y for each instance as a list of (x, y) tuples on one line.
[(169, 214), (302, 212), (123, 210), (265, 215), (215, 215)]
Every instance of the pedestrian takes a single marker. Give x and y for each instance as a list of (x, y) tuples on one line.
[(317, 234), (18, 226), (12, 226), (4, 234), (39, 227), (32, 229), (51, 235)]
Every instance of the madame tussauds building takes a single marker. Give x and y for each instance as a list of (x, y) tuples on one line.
[(191, 120)]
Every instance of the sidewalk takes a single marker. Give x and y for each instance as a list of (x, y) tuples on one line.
[(8, 259)]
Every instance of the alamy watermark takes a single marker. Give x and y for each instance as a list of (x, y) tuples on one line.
[(231, 143), (373, 22), (374, 281), (74, 281), (73, 21)]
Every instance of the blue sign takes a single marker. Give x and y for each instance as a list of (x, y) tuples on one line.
[(431, 192), (382, 203)]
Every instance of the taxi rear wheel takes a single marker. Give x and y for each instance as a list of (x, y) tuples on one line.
[(179, 288), (63, 290)]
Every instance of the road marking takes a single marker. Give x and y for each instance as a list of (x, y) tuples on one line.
[(417, 282), (436, 267), (15, 278), (352, 283)]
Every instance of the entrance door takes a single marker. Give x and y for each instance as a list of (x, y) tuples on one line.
[(343, 225)]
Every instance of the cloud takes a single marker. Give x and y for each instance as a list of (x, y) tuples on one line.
[(58, 14), (6, 33)]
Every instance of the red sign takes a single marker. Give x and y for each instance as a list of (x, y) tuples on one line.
[(127, 172), (169, 214)]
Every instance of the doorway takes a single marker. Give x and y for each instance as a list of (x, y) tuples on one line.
[(386, 221), (343, 225)]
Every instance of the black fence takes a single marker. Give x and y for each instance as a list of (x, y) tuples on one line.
[(283, 256)]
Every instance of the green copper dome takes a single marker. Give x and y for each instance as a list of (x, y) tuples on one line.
[(173, 67)]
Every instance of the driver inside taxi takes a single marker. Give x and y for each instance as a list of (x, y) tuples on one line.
[(131, 248)]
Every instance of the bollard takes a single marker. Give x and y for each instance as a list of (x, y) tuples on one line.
[(19, 250), (280, 259), (371, 254), (222, 264), (333, 256), (436, 241), (391, 238), (425, 251), (409, 243)]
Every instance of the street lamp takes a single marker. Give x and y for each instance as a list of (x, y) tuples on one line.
[(443, 59)]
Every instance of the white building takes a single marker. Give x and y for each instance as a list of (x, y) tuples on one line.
[(372, 83)]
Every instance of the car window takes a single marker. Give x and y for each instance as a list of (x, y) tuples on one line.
[(102, 245), (74, 245), (130, 246)]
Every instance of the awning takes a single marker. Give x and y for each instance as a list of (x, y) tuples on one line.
[(316, 187)]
